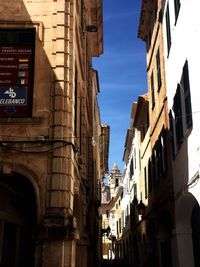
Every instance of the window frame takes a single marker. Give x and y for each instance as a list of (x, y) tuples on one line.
[(158, 65), (177, 6), (185, 83), (145, 183), (178, 112), (152, 90), (168, 29)]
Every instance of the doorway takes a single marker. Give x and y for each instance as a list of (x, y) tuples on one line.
[(17, 221)]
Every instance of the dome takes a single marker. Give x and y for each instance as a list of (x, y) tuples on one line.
[(115, 168)]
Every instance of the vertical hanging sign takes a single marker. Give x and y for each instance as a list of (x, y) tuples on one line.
[(16, 76)]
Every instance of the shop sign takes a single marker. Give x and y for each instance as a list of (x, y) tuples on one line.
[(16, 71)]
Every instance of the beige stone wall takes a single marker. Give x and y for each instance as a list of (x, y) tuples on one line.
[(51, 94), (159, 202), (43, 147)]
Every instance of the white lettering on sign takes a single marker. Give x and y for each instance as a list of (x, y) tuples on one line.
[(10, 92), (5, 81), (19, 101), (5, 73), (6, 58)]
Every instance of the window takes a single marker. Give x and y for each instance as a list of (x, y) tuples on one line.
[(149, 40), (154, 170), (171, 120), (82, 13), (123, 221), (75, 100), (159, 158), (155, 10), (139, 160), (107, 214), (131, 169), (163, 152), (117, 226), (176, 8), (135, 157), (80, 125), (168, 29), (152, 91), (135, 190), (120, 225), (182, 108), (147, 119), (157, 152), (159, 80), (178, 116), (185, 83), (145, 182), (17, 36), (149, 176), (143, 132)]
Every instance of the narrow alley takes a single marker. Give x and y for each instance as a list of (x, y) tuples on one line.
[(99, 133)]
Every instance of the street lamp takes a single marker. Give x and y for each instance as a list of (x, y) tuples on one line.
[(141, 208), (91, 28), (106, 231)]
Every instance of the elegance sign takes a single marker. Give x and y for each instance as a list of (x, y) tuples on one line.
[(16, 74)]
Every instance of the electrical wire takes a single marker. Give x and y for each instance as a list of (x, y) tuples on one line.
[(33, 152), (9, 145), (46, 142), (30, 137), (90, 137)]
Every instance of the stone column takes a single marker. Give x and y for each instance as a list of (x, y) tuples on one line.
[(59, 226), (183, 247), (81, 256), (57, 253)]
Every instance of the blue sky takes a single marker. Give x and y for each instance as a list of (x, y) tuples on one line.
[(122, 71)]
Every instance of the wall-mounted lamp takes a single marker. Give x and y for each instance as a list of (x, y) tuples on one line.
[(112, 238), (141, 208), (91, 28), (106, 231), (135, 201), (93, 142)]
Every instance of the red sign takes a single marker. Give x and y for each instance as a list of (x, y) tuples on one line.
[(16, 74)]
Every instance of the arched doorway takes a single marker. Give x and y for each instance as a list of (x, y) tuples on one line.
[(136, 258), (195, 223), (151, 243), (17, 221), (165, 239)]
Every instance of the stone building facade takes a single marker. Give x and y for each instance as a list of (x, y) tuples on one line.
[(151, 205), (159, 213), (167, 234), (112, 214), (52, 152), (181, 43)]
